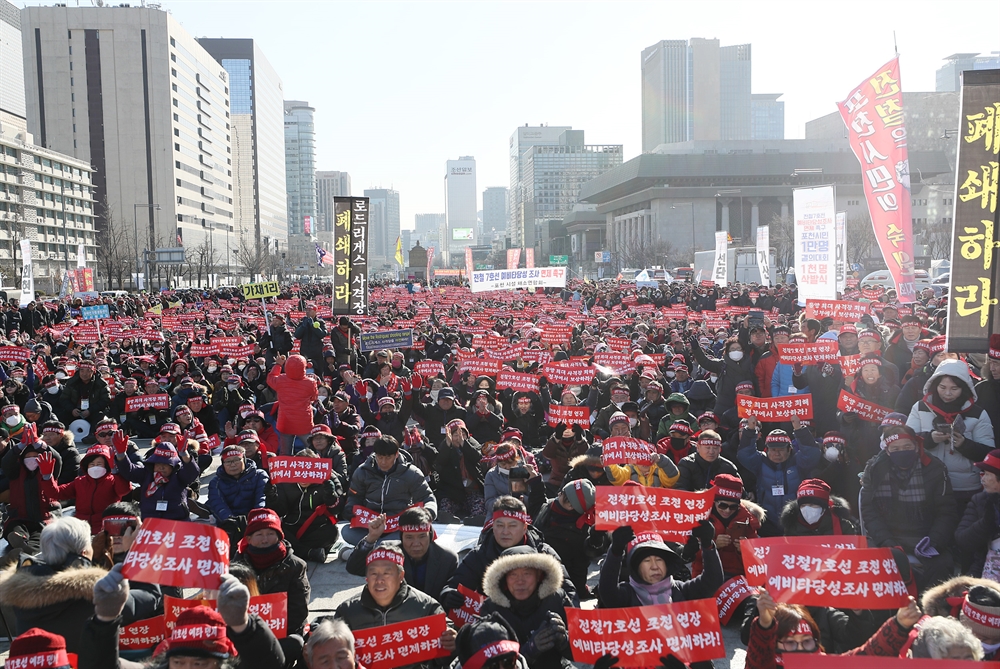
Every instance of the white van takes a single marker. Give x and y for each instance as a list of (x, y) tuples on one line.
[(883, 278), (114, 294)]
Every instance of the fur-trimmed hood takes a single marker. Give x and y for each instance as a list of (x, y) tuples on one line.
[(755, 510), (935, 600), (517, 558), (38, 587), (789, 514), (592, 458)]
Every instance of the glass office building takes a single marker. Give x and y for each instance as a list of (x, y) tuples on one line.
[(300, 164)]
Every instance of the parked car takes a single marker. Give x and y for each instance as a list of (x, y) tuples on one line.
[(883, 278)]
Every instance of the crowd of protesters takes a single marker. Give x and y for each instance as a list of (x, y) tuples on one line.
[(427, 433)]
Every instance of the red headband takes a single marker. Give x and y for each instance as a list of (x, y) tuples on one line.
[(195, 632), (49, 658), (644, 537), (52, 430), (508, 513), (896, 437), (712, 441), (233, 451), (487, 653), (426, 527), (834, 440), (728, 492), (383, 554), (802, 628)]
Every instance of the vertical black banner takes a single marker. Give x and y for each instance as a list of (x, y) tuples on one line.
[(973, 311), (359, 256), (342, 225)]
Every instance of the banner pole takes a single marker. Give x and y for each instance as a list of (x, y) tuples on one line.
[(267, 318)]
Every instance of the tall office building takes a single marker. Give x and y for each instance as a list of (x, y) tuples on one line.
[(300, 164), (547, 170), (328, 186), (494, 212), (949, 76), (767, 116), (12, 112), (695, 90), (128, 91), (427, 229), (258, 142), (460, 211), (383, 225)]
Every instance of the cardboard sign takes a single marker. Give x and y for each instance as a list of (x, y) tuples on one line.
[(640, 635), (400, 644), (867, 411), (470, 609), (824, 350), (142, 634), (362, 517), (272, 609), (671, 513), (568, 373), (177, 552), (289, 469), (526, 383), (626, 450), (844, 578), (14, 354), (775, 409), (576, 415), (732, 593), (140, 402)]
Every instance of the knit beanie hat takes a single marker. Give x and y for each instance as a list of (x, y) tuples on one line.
[(728, 486), (200, 632), (981, 613), (994, 350), (38, 649), (581, 495), (814, 491), (263, 519), (617, 417), (488, 637)]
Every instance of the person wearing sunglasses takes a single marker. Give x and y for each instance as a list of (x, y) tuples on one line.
[(734, 519), (781, 629)]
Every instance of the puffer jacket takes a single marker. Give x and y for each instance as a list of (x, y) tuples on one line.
[(296, 505), (743, 525), (92, 495), (662, 474), (988, 391), (439, 566), (296, 394), (731, 374), (236, 496), (559, 455), (448, 464), (29, 499), (783, 381), (290, 575), (663, 427), (787, 476), (173, 492), (980, 526), (839, 510), (616, 593), (696, 473), (978, 430), (389, 492), (361, 612)]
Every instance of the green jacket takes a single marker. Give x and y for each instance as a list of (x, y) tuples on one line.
[(663, 429)]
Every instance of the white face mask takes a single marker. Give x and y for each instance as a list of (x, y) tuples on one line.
[(322, 398), (714, 378), (60, 375), (233, 387), (811, 513), (96, 472), (212, 368), (13, 420), (113, 351), (633, 421), (671, 375), (31, 463), (736, 356), (434, 395), (832, 453), (52, 390)]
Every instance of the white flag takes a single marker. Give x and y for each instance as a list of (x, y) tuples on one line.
[(27, 278), (721, 256), (764, 255), (841, 226), (81, 256)]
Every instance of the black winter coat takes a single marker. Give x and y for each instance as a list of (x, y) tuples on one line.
[(448, 465), (440, 565), (979, 527), (291, 575), (620, 594), (295, 504)]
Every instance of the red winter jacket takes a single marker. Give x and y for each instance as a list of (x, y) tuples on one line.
[(744, 525), (765, 369), (296, 394), (92, 495)]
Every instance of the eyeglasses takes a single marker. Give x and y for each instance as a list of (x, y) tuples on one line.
[(808, 645), (104, 433), (508, 661), (727, 506), (116, 527)]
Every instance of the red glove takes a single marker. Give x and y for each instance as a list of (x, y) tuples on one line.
[(407, 388), (361, 388), (120, 441), (29, 435), (46, 464), (416, 382)]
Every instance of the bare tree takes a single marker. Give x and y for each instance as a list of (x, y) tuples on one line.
[(253, 256), (938, 239), (200, 261), (634, 254), (781, 236), (115, 247), (860, 238)]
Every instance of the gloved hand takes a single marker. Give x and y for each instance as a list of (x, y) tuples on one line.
[(407, 388), (606, 661), (416, 381), (233, 602), (29, 435), (120, 442), (547, 637), (110, 594), (620, 538), (46, 464), (704, 532), (577, 430), (452, 599), (923, 548), (560, 428)]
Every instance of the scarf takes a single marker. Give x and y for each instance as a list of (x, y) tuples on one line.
[(159, 480), (262, 558), (649, 595), (947, 410)]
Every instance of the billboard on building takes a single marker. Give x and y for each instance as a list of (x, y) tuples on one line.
[(462, 235)]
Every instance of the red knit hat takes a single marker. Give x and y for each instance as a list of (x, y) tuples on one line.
[(200, 632), (814, 490), (728, 486), (994, 352), (263, 519), (38, 649), (937, 344)]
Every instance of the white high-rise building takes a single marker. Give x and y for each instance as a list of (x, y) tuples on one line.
[(12, 112), (461, 212), (130, 92)]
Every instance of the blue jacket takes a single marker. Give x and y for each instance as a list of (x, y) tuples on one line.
[(173, 492), (781, 381), (788, 475), (229, 496)]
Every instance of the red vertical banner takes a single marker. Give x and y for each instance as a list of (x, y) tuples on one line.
[(873, 113), (430, 262), (469, 264), (529, 258), (513, 258)]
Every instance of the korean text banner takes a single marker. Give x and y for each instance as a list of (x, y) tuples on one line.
[(764, 255), (671, 513), (721, 255), (754, 551), (873, 114), (815, 243), (841, 226), (974, 309), (389, 339), (359, 256), (640, 635), (409, 642), (341, 303), (775, 409), (506, 279), (179, 553), (290, 469)]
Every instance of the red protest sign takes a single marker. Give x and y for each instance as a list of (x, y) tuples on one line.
[(569, 415), (839, 310), (626, 450), (732, 593), (288, 469), (140, 402), (177, 552), (175, 606), (470, 609), (481, 367), (428, 368), (569, 373), (753, 551), (845, 578), (272, 609), (527, 383), (850, 403), (671, 513), (850, 364), (774, 409), (818, 661), (640, 635), (620, 362), (362, 516), (203, 350), (399, 644), (556, 334), (14, 354), (142, 634), (824, 350)]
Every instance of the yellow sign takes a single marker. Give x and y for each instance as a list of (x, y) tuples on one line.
[(253, 291)]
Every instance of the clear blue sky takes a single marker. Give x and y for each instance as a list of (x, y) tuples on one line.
[(448, 79)]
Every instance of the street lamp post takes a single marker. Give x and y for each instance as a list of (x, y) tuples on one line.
[(135, 232)]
